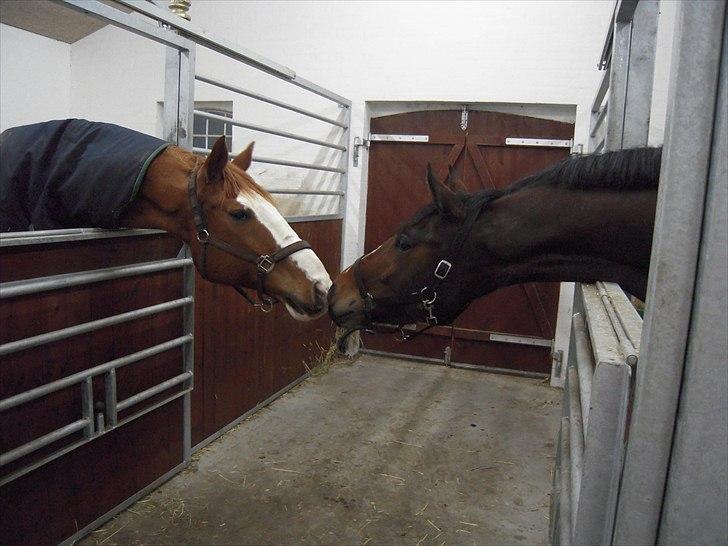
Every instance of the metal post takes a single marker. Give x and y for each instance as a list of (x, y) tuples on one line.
[(87, 406), (344, 199), (678, 225), (111, 411)]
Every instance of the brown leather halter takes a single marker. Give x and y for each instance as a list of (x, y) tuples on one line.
[(426, 296), (264, 262)]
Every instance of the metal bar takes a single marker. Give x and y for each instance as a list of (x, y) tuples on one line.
[(606, 56), (67, 280), (305, 192), (112, 417), (50, 337), (585, 366), (601, 92), (34, 445), (673, 264), (540, 142), (522, 340), (126, 21), (599, 147), (638, 99), (269, 130), (205, 39), (576, 439), (628, 316), (78, 377), (618, 85), (398, 138), (188, 357), (313, 218), (604, 448), (565, 508), (229, 49), (344, 202), (47, 236), (262, 98), (600, 117), (67, 449), (630, 353), (87, 406), (284, 162), (151, 391)]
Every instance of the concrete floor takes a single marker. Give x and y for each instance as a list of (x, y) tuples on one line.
[(381, 451)]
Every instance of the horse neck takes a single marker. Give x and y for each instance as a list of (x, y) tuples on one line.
[(162, 202), (553, 234)]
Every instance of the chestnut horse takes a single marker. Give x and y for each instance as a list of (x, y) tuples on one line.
[(585, 219), (236, 234)]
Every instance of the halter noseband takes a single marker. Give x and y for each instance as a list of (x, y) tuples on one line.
[(264, 263), (426, 296)]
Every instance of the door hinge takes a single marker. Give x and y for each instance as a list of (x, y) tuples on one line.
[(365, 142), (464, 118)]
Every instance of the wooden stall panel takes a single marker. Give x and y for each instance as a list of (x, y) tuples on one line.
[(243, 356), (82, 485)]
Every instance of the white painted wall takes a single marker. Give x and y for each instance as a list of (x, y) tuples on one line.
[(35, 76)]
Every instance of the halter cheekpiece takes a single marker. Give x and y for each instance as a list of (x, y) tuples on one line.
[(264, 263), (425, 297)]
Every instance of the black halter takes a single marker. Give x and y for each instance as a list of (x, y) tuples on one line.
[(426, 296), (264, 263)]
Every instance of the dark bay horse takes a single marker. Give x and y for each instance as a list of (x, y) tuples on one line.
[(585, 219), (76, 173)]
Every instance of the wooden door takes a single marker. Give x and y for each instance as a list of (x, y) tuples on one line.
[(513, 327)]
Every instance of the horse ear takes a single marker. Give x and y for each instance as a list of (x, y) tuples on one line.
[(444, 198), (216, 161), (243, 159), (454, 182)]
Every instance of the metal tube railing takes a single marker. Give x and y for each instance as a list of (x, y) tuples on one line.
[(270, 131), (284, 162), (57, 335), (576, 438), (17, 238), (78, 377), (585, 366), (565, 520), (67, 280), (148, 393), (38, 443), (263, 98)]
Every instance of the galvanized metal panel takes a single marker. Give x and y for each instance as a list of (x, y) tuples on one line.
[(696, 496), (681, 195), (641, 69)]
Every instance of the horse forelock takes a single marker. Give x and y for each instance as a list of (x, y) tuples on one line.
[(237, 182)]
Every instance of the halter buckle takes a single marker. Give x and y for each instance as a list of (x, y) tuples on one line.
[(265, 264), (203, 236), (442, 269)]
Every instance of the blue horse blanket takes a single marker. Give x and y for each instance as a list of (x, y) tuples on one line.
[(71, 173)]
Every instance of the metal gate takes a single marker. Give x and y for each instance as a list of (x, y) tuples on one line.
[(643, 450), (95, 425)]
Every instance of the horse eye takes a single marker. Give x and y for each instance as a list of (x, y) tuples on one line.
[(239, 214), (403, 243)]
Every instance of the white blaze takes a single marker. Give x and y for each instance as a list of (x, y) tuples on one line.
[(283, 235)]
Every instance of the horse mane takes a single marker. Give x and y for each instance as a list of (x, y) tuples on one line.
[(632, 169), (238, 181)]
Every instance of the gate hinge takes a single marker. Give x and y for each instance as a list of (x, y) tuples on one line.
[(358, 144), (558, 358)]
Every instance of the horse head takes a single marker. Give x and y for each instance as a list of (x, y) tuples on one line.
[(412, 276), (238, 237)]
